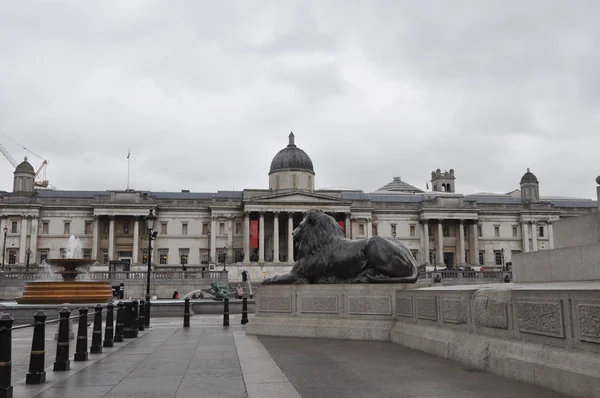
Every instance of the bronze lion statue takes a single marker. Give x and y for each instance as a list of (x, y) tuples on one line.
[(325, 255)]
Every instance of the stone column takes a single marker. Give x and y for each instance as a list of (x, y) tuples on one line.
[(213, 239), (261, 238), (369, 228), (426, 241), (290, 238), (95, 238), (440, 244), (23, 244), (475, 240), (276, 237), (550, 235), (348, 227), (136, 241), (230, 227), (534, 242), (33, 240), (111, 239), (524, 237), (461, 239), (247, 237)]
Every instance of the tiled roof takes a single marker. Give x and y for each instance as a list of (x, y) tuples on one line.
[(397, 185)]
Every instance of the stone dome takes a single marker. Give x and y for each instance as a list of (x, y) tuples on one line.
[(529, 178), (25, 167), (292, 158)]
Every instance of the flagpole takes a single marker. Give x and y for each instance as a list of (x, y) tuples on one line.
[(128, 153)]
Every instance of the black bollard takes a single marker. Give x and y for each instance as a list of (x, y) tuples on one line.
[(121, 291), (127, 313), (244, 311), (119, 325), (108, 330), (134, 319), (96, 347), (62, 362), (147, 315), (142, 316), (36, 374), (81, 352), (226, 312), (186, 313), (6, 322)]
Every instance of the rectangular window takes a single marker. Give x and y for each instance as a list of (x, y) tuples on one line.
[(204, 254), (239, 255), (183, 256), (12, 256), (87, 253), (184, 229), (88, 228), (361, 229), (145, 256), (467, 256), (221, 228), (446, 231), (479, 233), (43, 256), (515, 231), (415, 253), (393, 229), (222, 256), (163, 228), (45, 227), (238, 228), (105, 228), (496, 231), (541, 231), (163, 255), (205, 229), (67, 228), (498, 257), (104, 256), (481, 257), (413, 230), (374, 230), (14, 227), (125, 228), (430, 230)]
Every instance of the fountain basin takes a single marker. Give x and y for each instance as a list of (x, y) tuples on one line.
[(66, 292)]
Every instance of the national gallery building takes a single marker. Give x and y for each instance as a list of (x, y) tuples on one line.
[(253, 227)]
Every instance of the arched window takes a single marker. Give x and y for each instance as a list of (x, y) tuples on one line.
[(294, 181), (309, 182), (276, 182)]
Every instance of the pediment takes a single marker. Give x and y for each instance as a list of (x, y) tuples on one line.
[(298, 197)]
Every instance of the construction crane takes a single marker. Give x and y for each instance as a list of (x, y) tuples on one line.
[(40, 175)]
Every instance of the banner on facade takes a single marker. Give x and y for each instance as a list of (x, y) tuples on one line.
[(254, 234), (343, 225)]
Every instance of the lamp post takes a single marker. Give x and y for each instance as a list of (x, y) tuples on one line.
[(28, 252), (4, 246), (224, 258), (434, 260), (150, 220), (503, 263)]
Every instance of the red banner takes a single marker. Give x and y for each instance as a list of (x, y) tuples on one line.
[(343, 225), (254, 234)]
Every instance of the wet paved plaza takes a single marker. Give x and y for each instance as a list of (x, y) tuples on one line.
[(208, 360)]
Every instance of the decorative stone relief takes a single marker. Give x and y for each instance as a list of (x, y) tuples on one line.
[(404, 307), (319, 305), (427, 308), (541, 318), (454, 310), (369, 306), (490, 313), (275, 304), (588, 316)]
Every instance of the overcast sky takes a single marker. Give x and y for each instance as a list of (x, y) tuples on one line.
[(206, 92)]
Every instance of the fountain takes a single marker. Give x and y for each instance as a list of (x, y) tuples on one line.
[(69, 290)]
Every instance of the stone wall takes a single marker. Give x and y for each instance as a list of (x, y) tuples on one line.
[(577, 231), (548, 335)]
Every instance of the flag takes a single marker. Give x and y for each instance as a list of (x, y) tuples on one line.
[(128, 153)]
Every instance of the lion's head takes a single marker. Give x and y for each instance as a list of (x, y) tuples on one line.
[(316, 230)]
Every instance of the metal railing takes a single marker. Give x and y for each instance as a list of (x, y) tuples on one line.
[(120, 275), (469, 276)]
